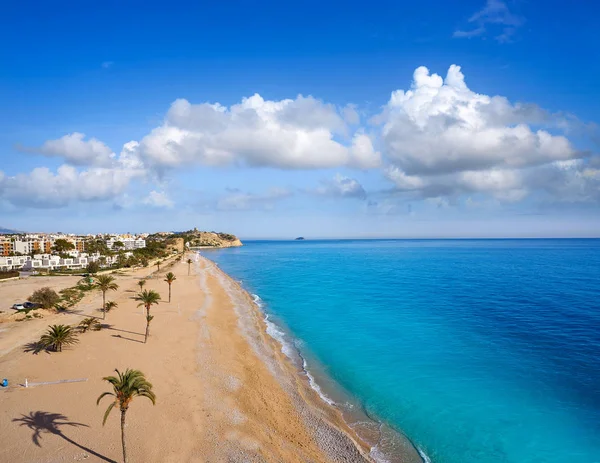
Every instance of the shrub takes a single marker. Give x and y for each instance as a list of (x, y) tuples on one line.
[(9, 274), (91, 324), (71, 296), (46, 297), (92, 267)]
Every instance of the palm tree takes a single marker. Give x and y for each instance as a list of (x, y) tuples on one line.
[(147, 299), (158, 264), (170, 278), (58, 336), (141, 284), (189, 262), (105, 283), (110, 305), (126, 387), (90, 323)]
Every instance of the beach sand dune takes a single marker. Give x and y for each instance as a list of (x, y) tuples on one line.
[(225, 393)]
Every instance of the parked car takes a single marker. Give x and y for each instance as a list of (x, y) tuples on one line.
[(31, 305), (18, 306)]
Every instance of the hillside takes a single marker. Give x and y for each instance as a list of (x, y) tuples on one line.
[(7, 231), (197, 238)]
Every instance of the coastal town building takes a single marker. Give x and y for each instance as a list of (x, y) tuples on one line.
[(36, 251), (129, 243), (13, 263), (5, 246)]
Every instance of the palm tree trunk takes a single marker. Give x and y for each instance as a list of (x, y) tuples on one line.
[(123, 435), (147, 324), (169, 292), (103, 305), (188, 269)]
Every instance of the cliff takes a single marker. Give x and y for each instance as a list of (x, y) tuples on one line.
[(197, 238)]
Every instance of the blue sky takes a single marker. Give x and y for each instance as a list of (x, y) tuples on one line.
[(272, 119)]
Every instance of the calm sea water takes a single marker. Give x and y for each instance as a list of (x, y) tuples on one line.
[(481, 351)]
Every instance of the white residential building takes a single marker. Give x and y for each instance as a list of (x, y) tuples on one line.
[(129, 243), (13, 263), (50, 262)]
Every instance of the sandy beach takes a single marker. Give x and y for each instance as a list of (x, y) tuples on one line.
[(225, 392)]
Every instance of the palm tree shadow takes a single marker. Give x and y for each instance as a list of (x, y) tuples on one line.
[(34, 347), (44, 422), (126, 338)]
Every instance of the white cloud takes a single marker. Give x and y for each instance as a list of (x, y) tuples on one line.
[(288, 134), (43, 188), (341, 187), (77, 151), (495, 15), (441, 138), (237, 200), (107, 64), (350, 114), (159, 199), (441, 126)]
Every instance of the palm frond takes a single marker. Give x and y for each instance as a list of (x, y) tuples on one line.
[(106, 283), (58, 336), (147, 298), (107, 412), (127, 386)]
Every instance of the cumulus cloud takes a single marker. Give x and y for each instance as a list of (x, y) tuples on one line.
[(75, 150), (43, 188), (238, 200), (159, 199), (494, 15), (441, 138), (287, 134), (341, 187), (442, 126), (438, 140)]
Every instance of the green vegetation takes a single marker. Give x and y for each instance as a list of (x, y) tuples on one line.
[(71, 296), (9, 274), (110, 305), (105, 283), (147, 299), (92, 268), (58, 336), (126, 387), (141, 284), (62, 245), (96, 246), (28, 316), (189, 262), (89, 324), (198, 238), (46, 297), (170, 278)]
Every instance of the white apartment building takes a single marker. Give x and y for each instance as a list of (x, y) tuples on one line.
[(129, 243), (50, 262), (13, 263)]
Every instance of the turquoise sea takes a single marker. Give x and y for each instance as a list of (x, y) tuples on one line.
[(482, 351)]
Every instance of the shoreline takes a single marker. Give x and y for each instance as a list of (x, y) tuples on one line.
[(399, 448), (225, 392), (269, 348)]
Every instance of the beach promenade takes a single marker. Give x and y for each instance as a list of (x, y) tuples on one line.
[(225, 393)]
